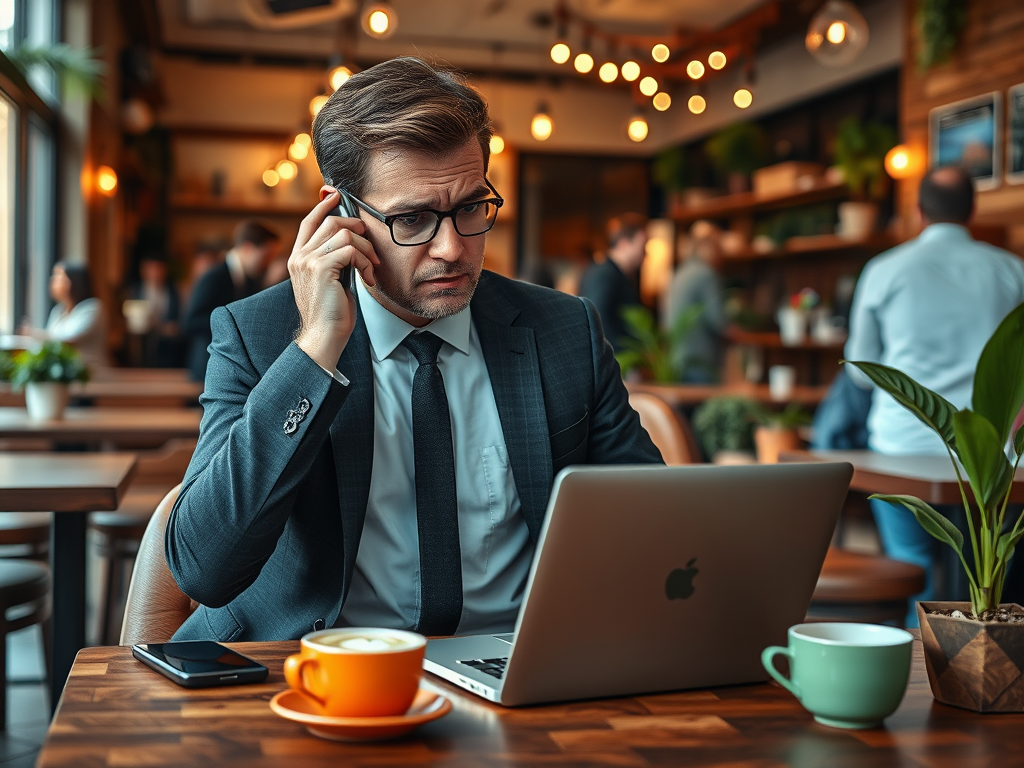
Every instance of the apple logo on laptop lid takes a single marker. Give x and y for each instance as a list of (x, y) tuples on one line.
[(679, 584)]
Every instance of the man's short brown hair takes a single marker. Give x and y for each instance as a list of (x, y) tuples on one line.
[(625, 227), (403, 103), (250, 231)]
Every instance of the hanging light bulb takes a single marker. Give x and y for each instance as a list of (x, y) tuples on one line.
[(648, 86), (106, 181), (270, 177), (637, 128), (287, 170), (542, 125), (304, 139), (743, 98), (837, 34), (497, 144), (560, 53), (608, 72), (662, 101), (630, 71), (298, 151), (696, 104), (695, 70), (339, 76), (903, 162), (316, 104), (583, 62), (379, 20), (660, 54), (717, 60)]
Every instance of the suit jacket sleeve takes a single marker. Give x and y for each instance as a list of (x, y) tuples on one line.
[(206, 296), (243, 478)]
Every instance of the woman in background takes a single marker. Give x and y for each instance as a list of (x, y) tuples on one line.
[(78, 317)]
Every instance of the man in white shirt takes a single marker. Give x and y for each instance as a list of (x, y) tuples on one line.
[(926, 308), (383, 456)]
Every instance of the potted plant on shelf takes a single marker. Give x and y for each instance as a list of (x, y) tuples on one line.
[(45, 374), (652, 352), (736, 152), (724, 429), (860, 155), (974, 652), (777, 431)]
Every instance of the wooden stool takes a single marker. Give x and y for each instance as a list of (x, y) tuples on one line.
[(864, 588), (25, 535), (24, 601)]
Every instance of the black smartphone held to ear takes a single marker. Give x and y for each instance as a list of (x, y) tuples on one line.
[(347, 209), (199, 663)]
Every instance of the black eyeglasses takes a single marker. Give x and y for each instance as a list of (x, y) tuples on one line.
[(420, 227)]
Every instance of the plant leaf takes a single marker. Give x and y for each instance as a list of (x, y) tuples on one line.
[(1018, 441), (999, 377), (934, 523), (932, 409), (981, 452), (1006, 544)]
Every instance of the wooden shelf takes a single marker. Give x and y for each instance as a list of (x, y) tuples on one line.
[(229, 207), (817, 244), (751, 202), (772, 340)]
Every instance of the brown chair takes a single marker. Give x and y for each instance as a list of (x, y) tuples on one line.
[(24, 601), (155, 607), (25, 535), (865, 588), (668, 429)]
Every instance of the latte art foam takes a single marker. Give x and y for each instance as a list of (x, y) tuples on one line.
[(360, 642)]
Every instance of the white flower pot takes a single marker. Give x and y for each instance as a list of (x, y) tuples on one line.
[(45, 400), (792, 326), (857, 220)]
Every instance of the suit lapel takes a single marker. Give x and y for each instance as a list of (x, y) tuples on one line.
[(510, 353)]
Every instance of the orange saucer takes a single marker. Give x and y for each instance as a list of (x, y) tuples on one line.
[(425, 707)]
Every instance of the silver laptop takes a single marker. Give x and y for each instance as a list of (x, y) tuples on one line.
[(651, 578)]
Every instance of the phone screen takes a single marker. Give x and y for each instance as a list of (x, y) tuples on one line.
[(199, 657)]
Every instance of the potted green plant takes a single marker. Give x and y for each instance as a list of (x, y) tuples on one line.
[(724, 429), (974, 652), (737, 151), (652, 352), (777, 431), (860, 154), (45, 374)]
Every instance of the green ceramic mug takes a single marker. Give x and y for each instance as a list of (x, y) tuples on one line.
[(846, 675)]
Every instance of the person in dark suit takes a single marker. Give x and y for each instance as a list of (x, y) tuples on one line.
[(240, 275), (381, 452)]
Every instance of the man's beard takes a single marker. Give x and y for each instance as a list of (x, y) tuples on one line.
[(428, 307)]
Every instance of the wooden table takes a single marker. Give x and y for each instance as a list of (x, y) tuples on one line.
[(115, 711), (69, 484), (104, 425), (930, 478), (689, 395), (123, 392)]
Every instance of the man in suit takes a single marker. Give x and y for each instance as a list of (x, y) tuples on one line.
[(239, 276), (383, 455), (614, 284)]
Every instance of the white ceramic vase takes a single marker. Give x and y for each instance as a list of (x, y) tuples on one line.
[(792, 326), (857, 220), (45, 400)]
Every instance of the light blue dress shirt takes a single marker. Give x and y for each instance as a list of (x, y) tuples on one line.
[(495, 542), (927, 307)]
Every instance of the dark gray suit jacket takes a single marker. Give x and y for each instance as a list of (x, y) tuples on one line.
[(266, 529)]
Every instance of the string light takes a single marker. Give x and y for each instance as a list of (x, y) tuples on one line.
[(287, 170), (379, 20), (630, 71), (695, 70), (608, 72), (542, 126), (743, 98), (662, 101), (560, 53), (497, 144), (270, 177), (583, 63), (106, 180), (316, 105), (298, 151), (304, 139), (339, 76), (696, 104), (637, 128), (660, 54), (648, 86), (717, 60), (836, 32)]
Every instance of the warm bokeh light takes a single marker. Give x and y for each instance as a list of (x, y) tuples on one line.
[(270, 177), (608, 72), (106, 180), (637, 129), (630, 71), (583, 62), (717, 60), (660, 54), (286, 169), (695, 70), (497, 144), (339, 76), (541, 126), (317, 104), (648, 86), (743, 98), (560, 53), (696, 104), (304, 139), (662, 101), (836, 32), (902, 162), (298, 151)]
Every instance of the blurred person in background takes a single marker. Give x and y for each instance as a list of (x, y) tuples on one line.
[(614, 284), (697, 283), (77, 318), (161, 343), (238, 277)]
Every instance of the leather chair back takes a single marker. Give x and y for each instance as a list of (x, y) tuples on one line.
[(670, 433), (155, 607)]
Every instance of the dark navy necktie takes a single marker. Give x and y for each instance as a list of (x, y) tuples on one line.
[(437, 508)]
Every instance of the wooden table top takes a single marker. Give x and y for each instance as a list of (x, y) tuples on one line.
[(115, 711), (63, 482), (97, 424), (685, 395), (930, 478), (127, 391)]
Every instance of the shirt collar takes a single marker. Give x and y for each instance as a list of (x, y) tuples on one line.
[(387, 331), (944, 231)]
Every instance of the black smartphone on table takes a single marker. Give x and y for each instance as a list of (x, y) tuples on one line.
[(199, 663), (347, 209)]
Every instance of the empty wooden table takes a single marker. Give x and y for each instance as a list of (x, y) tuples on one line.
[(70, 485), (115, 711), (689, 395), (104, 425)]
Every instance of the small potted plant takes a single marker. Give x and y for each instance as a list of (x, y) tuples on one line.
[(974, 652), (724, 429), (736, 152), (45, 374), (860, 154), (654, 353), (777, 431)]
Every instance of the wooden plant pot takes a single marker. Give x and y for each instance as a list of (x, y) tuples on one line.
[(973, 665), (771, 442)]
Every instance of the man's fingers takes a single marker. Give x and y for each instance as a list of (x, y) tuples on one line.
[(315, 218), (344, 237)]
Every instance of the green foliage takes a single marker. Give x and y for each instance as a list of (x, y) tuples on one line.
[(979, 437), (938, 24), (671, 169), (860, 152), (6, 365), (790, 417), (723, 424), (54, 361), (651, 350), (77, 68), (738, 148)]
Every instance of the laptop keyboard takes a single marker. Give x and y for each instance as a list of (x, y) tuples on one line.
[(492, 667)]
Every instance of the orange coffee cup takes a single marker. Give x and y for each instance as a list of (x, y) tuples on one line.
[(358, 672)]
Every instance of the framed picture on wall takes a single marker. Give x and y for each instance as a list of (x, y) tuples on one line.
[(1015, 134), (969, 133)]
